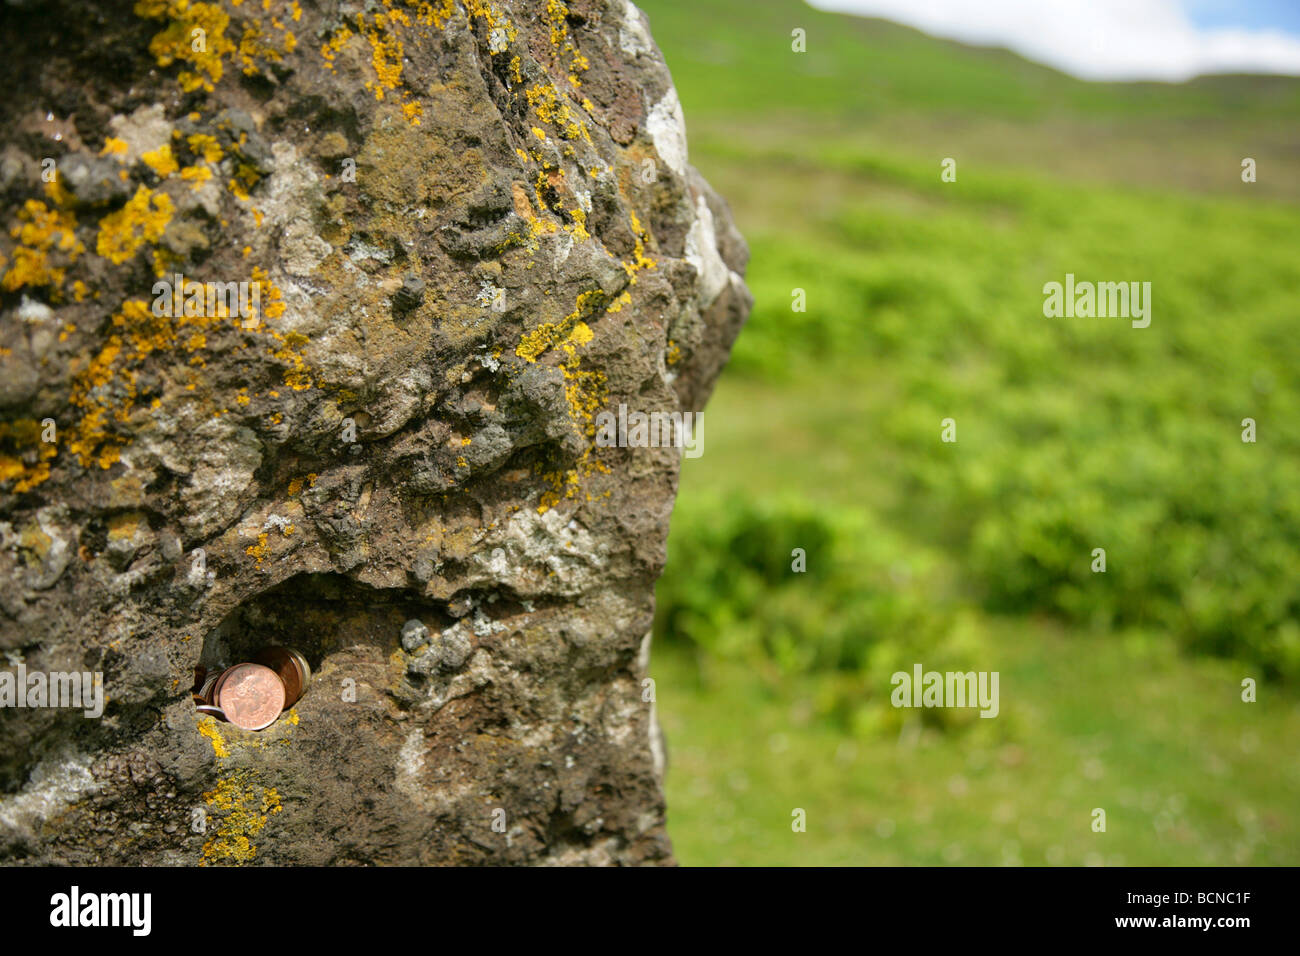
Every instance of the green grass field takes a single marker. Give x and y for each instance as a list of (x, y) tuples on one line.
[(924, 302)]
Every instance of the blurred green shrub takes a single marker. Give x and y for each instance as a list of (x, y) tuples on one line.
[(867, 604), (1073, 434)]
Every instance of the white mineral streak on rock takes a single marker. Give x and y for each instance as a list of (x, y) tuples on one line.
[(702, 252), (667, 129), (633, 37)]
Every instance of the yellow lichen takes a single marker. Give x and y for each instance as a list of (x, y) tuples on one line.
[(161, 161), (243, 808), (114, 147), (208, 728), (201, 144), (40, 232), (143, 219), (196, 176), (246, 177), (57, 192), (538, 341), (195, 35), (259, 550), (24, 455)]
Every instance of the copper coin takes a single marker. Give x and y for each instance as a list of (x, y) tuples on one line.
[(251, 696), (291, 667), (204, 694)]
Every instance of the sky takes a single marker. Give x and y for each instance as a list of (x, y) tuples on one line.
[(1113, 39)]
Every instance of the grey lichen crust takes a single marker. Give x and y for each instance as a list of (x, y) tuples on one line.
[(468, 228)]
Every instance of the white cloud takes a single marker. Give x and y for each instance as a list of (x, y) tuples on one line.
[(1094, 39)]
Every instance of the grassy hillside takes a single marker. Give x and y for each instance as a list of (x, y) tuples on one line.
[(1120, 690), (733, 58)]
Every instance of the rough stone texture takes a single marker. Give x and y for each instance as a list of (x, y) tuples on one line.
[(472, 227)]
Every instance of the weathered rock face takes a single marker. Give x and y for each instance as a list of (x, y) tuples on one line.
[(464, 229)]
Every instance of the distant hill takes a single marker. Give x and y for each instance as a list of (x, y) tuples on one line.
[(734, 57), (874, 86)]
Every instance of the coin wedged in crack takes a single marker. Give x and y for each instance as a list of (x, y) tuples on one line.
[(250, 695)]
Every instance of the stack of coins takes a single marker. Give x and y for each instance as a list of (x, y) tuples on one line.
[(291, 667), (251, 696)]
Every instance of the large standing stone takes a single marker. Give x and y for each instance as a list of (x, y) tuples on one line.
[(466, 228)]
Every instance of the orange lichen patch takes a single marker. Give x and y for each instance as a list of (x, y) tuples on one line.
[(296, 376), (259, 42), (269, 295), (579, 227), (114, 147), (208, 728), (387, 30), (563, 44), (586, 391), (104, 391), (382, 30), (164, 261), (243, 808), (556, 11), (640, 260), (619, 302), (56, 192), (196, 176), (551, 108), (385, 49), (195, 35), (31, 268), (336, 41), (201, 144), (143, 219), (246, 177), (535, 343), (161, 161), (259, 550), (41, 231), (489, 15), (24, 455), (92, 440)]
